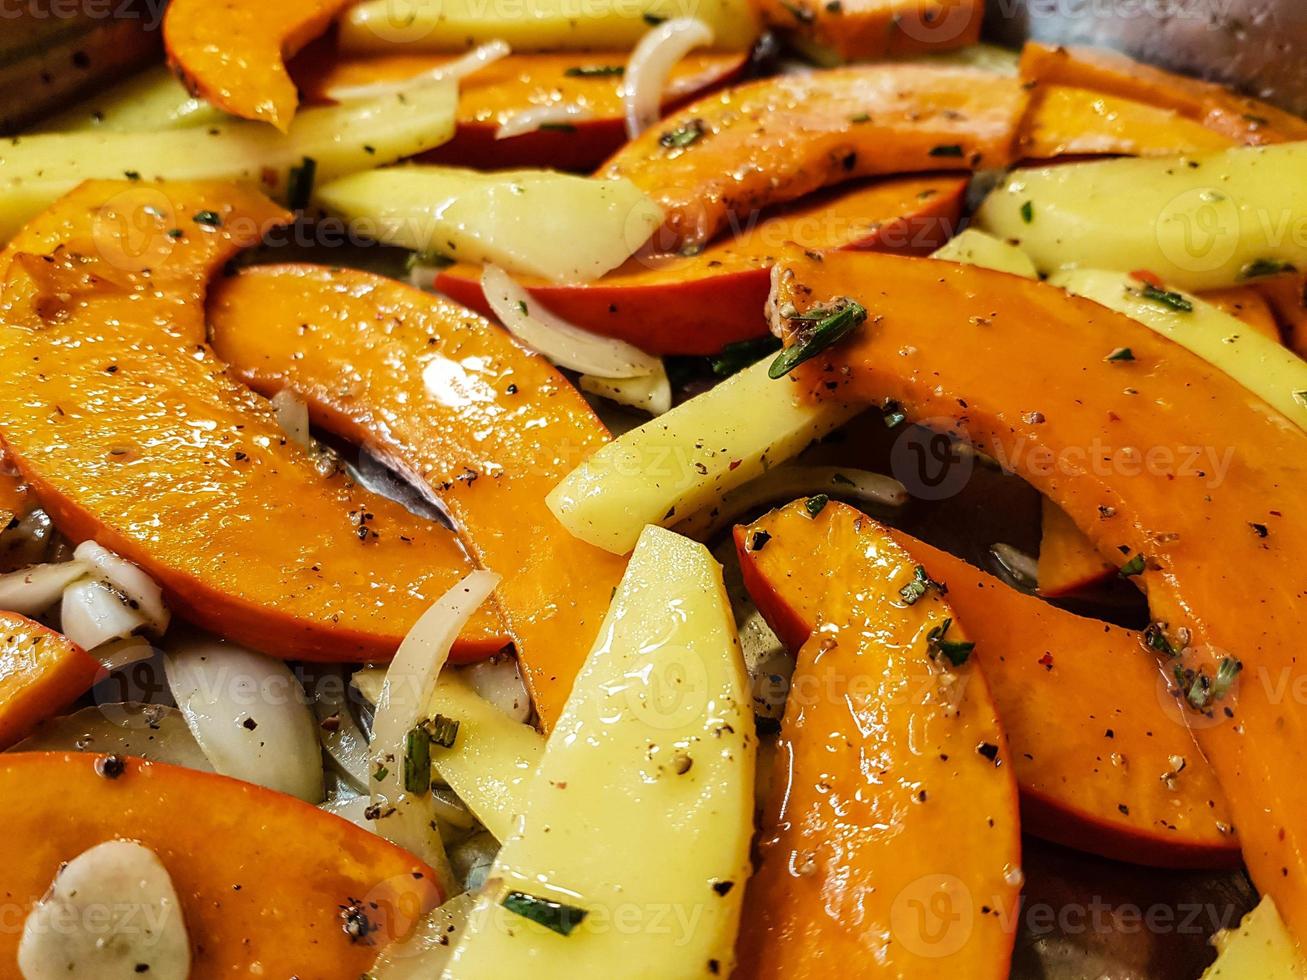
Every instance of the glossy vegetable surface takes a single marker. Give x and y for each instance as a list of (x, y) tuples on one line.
[(1068, 561), (1213, 530), (889, 842), (41, 674), (866, 30), (1077, 698), (452, 401), (266, 883), (131, 433)]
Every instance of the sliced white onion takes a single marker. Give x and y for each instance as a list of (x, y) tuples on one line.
[(117, 654), (148, 731), (111, 913), (651, 393), (141, 592), (249, 714), (351, 808), (1019, 566), (426, 953), (529, 120), (407, 818), (499, 681), (28, 543), (458, 69), (93, 613), (31, 591), (566, 345), (786, 483), (651, 64), (346, 745), (293, 417)]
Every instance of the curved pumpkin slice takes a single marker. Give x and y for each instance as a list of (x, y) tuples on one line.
[(890, 844), (495, 93), (232, 53), (697, 304), (140, 440), (452, 401), (1067, 121), (41, 673), (269, 885), (1068, 561), (867, 30), (1241, 119), (777, 139), (1097, 768), (1196, 487)]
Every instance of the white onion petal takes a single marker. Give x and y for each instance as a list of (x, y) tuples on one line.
[(93, 613), (650, 65), (346, 745), (566, 345), (499, 681), (651, 393), (249, 714), (293, 417), (1019, 566), (31, 591), (411, 678), (529, 120), (458, 69), (148, 731), (425, 953), (141, 591)]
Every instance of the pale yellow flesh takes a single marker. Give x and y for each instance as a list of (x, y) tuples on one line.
[(425, 953), (36, 170), (493, 758), (538, 25), (643, 806), (975, 247), (685, 460), (1259, 948), (1269, 370), (149, 102), (1198, 222), (529, 222)]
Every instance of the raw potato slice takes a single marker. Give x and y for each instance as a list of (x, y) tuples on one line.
[(145, 103), (1267, 369), (1197, 222), (890, 844), (231, 53), (974, 247), (543, 25), (41, 673), (729, 155), (517, 219), (1259, 948), (643, 804), (1195, 482), (1071, 691), (36, 170), (1248, 305), (234, 853), (132, 433), (685, 460)]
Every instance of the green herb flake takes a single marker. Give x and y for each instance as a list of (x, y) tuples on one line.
[(556, 127), (861, 117), (893, 414), (417, 760), (1258, 268), (1135, 566), (1028, 212), (1201, 691), (380, 773), (946, 150), (208, 219), (1166, 297), (740, 354), (757, 540), (1301, 397), (821, 327), (299, 188), (132, 174), (816, 504), (595, 71), (1155, 639), (957, 651), (921, 584), (1120, 354), (653, 20), (427, 260), (554, 916), (442, 730), (682, 136)]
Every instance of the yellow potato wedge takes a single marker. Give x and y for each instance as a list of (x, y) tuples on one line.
[(975, 247), (1259, 948)]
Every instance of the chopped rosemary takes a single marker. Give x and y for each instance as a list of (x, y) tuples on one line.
[(417, 760), (594, 71), (738, 355), (1155, 639), (683, 135), (816, 504), (557, 127), (1166, 297), (921, 584), (861, 117), (1202, 691), (208, 219), (427, 260), (380, 773), (757, 540), (1135, 566), (946, 150), (442, 730), (1028, 212), (1265, 267), (299, 187), (821, 327), (554, 916), (957, 651)]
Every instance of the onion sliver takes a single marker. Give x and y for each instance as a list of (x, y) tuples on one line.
[(93, 613), (566, 345), (1019, 566), (293, 417), (651, 64), (499, 681), (346, 745), (249, 714), (407, 817), (651, 393), (426, 952), (786, 483), (147, 731), (141, 591), (529, 120), (31, 591), (458, 69)]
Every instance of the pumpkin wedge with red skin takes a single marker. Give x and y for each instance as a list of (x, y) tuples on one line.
[(866, 30), (1073, 694), (697, 304), (1196, 488), (774, 140), (264, 880), (452, 401), (892, 791), (131, 432), (41, 674)]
